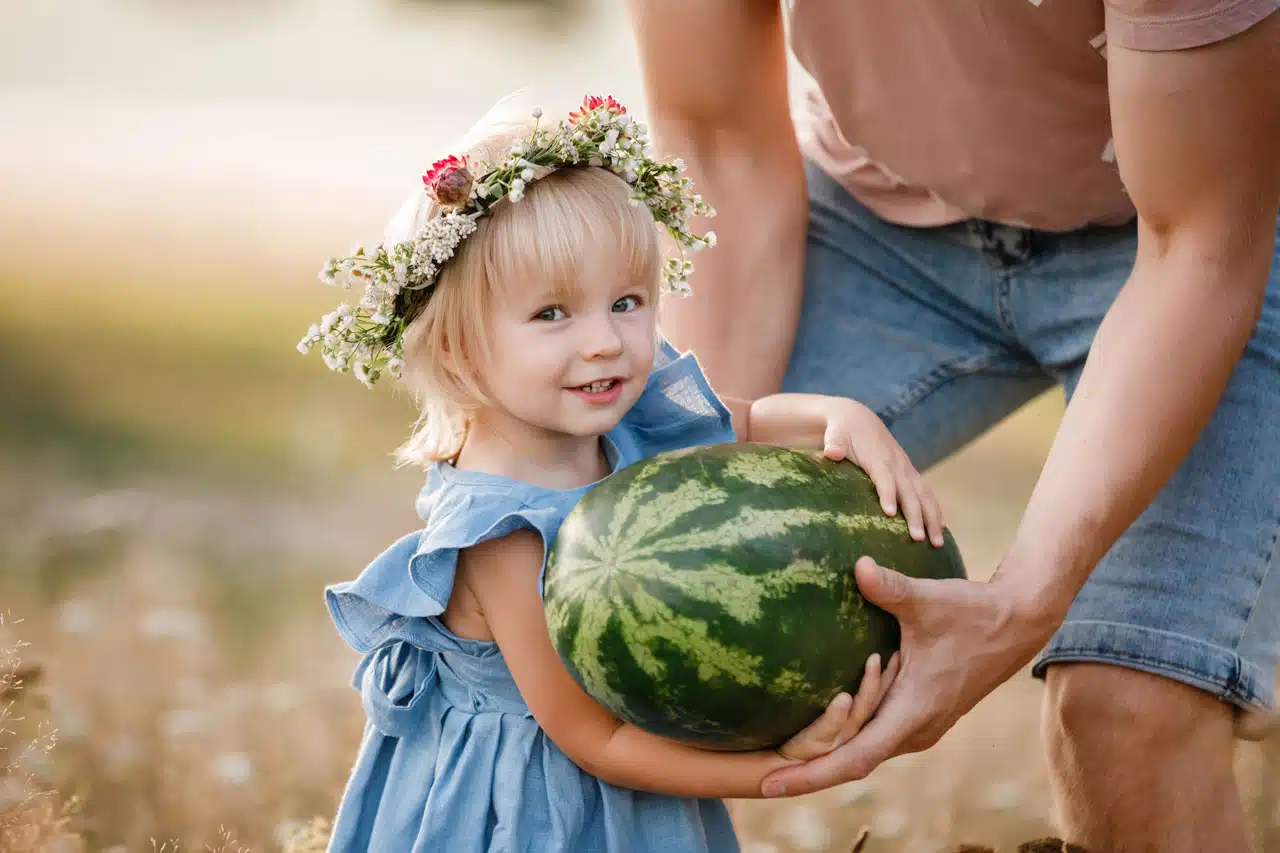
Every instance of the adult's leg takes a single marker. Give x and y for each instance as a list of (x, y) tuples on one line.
[(1178, 629)]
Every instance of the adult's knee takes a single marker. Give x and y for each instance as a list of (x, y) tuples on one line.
[(1101, 712)]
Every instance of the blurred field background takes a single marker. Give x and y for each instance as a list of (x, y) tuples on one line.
[(177, 484)]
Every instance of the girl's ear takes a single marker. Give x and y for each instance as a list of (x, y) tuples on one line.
[(454, 359)]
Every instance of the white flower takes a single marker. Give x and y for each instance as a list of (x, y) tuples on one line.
[(537, 112), (519, 147), (679, 164), (281, 696), (184, 721), (77, 617), (710, 238), (527, 175), (234, 768), (172, 624), (381, 319)]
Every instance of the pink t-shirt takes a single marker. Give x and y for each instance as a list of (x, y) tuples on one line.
[(933, 111)]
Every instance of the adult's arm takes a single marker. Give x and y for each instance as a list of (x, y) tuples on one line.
[(715, 75), (1196, 132)]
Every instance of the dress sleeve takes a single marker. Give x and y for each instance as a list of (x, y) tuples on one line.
[(677, 409), (399, 595)]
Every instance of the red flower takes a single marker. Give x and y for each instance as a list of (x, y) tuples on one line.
[(591, 102), (448, 181)]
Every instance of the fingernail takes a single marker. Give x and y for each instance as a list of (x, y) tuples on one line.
[(890, 509), (774, 789)]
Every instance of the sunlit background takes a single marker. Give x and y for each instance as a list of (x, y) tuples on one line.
[(177, 484)]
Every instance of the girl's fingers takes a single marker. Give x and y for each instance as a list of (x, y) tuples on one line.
[(890, 675), (912, 509), (835, 445), (932, 514), (865, 703), (886, 485), (818, 737)]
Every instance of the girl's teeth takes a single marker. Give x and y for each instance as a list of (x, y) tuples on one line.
[(597, 387)]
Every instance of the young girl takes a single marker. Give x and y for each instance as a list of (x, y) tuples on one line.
[(518, 299)]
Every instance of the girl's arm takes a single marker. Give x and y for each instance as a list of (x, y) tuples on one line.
[(503, 574), (845, 429)]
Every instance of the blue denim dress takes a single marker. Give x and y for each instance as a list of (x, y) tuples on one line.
[(452, 759)]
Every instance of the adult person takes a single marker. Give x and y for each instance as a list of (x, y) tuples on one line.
[(980, 200)]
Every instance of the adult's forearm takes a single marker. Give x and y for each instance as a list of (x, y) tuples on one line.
[(741, 319), (1158, 367)]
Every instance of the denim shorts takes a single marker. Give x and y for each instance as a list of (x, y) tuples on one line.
[(944, 331)]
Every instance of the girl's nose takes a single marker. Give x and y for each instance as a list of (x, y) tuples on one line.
[(603, 340)]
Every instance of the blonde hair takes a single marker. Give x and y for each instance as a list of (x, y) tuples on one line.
[(539, 240)]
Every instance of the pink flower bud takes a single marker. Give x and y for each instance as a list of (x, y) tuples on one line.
[(448, 181)]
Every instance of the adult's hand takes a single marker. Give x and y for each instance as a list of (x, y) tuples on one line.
[(960, 640)]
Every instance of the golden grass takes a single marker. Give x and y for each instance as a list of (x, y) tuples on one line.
[(198, 691), (194, 704)]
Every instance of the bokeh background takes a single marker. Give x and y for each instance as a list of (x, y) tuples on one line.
[(177, 484)]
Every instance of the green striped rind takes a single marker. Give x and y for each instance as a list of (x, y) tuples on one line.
[(708, 594)]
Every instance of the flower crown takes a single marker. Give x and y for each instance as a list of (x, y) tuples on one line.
[(398, 279)]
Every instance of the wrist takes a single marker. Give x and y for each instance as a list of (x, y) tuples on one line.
[(1036, 602)]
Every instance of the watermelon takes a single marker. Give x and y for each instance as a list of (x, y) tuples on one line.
[(707, 594)]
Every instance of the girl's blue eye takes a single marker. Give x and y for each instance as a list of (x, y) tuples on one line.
[(626, 304), (551, 314)]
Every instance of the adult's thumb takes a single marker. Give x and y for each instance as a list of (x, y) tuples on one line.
[(885, 588)]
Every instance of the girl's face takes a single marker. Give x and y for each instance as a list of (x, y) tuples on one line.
[(573, 362)]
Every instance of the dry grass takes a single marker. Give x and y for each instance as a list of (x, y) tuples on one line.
[(34, 817), (199, 694)]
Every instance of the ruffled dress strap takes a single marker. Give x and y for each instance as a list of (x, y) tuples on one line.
[(677, 409), (390, 612)]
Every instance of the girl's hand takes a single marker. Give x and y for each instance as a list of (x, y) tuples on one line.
[(844, 716), (856, 433)]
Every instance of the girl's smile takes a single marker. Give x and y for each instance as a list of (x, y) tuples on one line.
[(602, 392)]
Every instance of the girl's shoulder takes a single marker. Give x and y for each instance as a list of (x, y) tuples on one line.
[(677, 409), (412, 580)]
